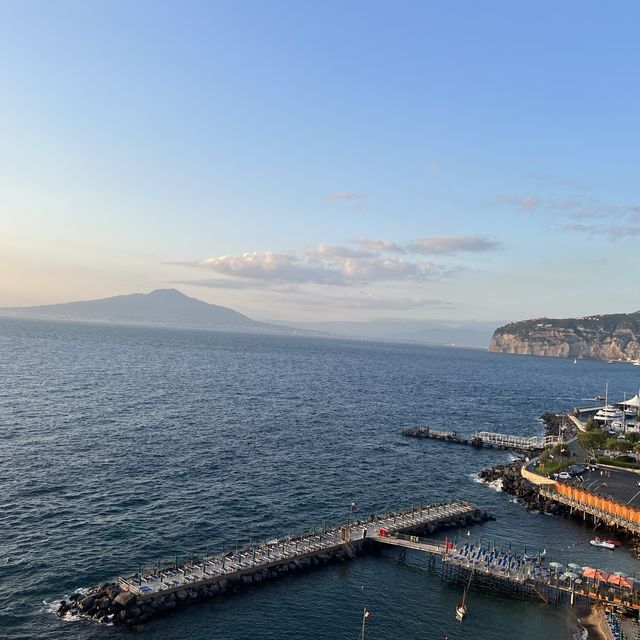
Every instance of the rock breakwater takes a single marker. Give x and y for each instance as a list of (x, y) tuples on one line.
[(108, 603), (514, 484)]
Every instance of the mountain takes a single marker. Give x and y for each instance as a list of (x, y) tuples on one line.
[(464, 334), (602, 337), (162, 307)]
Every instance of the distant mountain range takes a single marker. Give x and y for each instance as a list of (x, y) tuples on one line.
[(162, 307), (171, 308), (462, 334), (601, 337)]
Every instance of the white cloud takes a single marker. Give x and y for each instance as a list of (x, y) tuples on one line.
[(611, 232), (433, 245), (449, 245), (332, 268), (323, 251), (381, 246)]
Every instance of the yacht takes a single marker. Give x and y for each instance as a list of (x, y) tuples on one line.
[(608, 414)]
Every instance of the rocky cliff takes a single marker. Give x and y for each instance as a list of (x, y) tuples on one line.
[(606, 337)]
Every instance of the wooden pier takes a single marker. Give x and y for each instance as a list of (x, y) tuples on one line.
[(519, 574), (486, 439)]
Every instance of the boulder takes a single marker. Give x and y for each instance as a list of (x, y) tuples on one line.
[(125, 599)]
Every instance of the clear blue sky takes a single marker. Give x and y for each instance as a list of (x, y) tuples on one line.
[(330, 160)]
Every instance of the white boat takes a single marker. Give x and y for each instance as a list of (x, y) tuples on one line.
[(461, 607), (596, 542), (608, 414)]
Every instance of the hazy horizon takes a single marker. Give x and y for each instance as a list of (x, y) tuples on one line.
[(340, 162)]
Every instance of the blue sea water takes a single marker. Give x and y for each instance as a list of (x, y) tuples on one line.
[(123, 446)]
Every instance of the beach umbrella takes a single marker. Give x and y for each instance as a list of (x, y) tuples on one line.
[(556, 565), (588, 572), (570, 575), (603, 576), (620, 573), (574, 567)]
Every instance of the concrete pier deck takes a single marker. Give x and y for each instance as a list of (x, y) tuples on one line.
[(251, 560)]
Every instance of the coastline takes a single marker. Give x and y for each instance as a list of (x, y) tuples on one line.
[(592, 620)]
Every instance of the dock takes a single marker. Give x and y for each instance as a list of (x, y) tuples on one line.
[(520, 574), (139, 598), (486, 439), (346, 539)]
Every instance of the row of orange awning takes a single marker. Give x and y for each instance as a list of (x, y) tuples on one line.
[(610, 578), (599, 502)]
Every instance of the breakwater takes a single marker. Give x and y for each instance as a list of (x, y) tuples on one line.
[(527, 493), (486, 439), (138, 599)]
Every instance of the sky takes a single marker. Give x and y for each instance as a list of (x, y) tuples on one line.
[(334, 160)]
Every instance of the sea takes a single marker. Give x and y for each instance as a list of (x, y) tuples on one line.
[(123, 447)]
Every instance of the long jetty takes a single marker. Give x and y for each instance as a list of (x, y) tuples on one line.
[(486, 439), (143, 596)]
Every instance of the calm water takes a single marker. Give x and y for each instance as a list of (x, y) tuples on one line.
[(128, 445)]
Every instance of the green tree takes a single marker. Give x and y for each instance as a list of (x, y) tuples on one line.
[(591, 440)]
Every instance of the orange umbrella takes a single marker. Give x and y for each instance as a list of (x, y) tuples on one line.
[(588, 572), (603, 576), (619, 581)]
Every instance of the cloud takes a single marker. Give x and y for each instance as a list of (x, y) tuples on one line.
[(329, 269), (381, 246), (328, 251), (449, 245), (346, 195), (433, 245), (611, 232), (379, 303), (577, 207), (233, 284), (521, 203)]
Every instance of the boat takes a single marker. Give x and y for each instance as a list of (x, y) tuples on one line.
[(575, 361), (604, 544), (615, 543), (461, 607), (608, 414)]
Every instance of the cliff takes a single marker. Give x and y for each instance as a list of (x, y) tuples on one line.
[(605, 337)]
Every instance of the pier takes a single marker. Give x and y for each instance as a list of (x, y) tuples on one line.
[(486, 439), (143, 596), (520, 574), (346, 539)]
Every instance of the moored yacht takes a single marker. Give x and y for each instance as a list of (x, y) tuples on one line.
[(608, 414)]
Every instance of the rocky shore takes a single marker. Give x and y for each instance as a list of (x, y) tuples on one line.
[(514, 484), (557, 423)]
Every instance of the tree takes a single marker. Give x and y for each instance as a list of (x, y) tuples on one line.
[(592, 440)]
